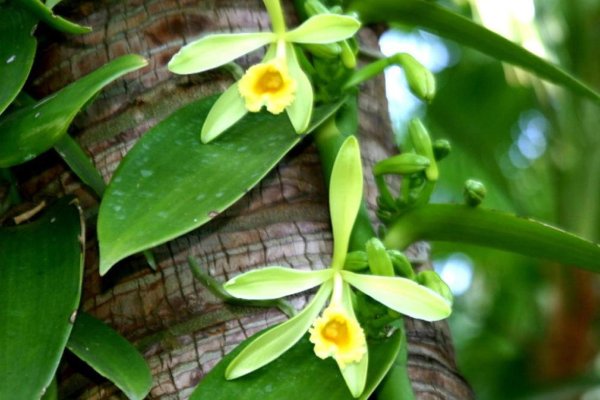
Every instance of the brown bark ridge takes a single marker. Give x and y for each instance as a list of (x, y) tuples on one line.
[(182, 329)]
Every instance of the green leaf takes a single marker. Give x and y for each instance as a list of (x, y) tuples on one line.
[(454, 223), (434, 18), (35, 128), (324, 28), (215, 50), (16, 52), (80, 163), (345, 196), (297, 371), (42, 267), (45, 14), (274, 282), (111, 355), (401, 294), (180, 183), (276, 341)]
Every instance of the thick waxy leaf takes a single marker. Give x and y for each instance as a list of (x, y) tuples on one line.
[(37, 8), (432, 17), (215, 50), (16, 52), (297, 371), (41, 269), (181, 183), (324, 28), (276, 341), (274, 282), (345, 196), (454, 223), (34, 129), (401, 294), (111, 355)]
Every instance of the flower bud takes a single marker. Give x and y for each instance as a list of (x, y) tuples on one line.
[(422, 144), (401, 264), (379, 261), (432, 280), (402, 164), (441, 149), (327, 50), (474, 192), (420, 80), (356, 261)]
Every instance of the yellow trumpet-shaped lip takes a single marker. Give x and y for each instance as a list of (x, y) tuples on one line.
[(267, 84), (337, 334)]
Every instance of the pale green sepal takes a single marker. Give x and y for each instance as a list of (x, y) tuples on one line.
[(300, 110), (324, 28), (402, 295), (215, 50), (379, 260), (270, 345), (274, 282), (345, 195), (227, 110), (354, 374)]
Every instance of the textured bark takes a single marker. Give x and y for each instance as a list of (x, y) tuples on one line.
[(182, 329)]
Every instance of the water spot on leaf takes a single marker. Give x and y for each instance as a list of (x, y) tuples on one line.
[(146, 173), (11, 59), (213, 214)]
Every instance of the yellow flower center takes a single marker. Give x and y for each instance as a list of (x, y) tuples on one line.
[(337, 334), (267, 84)]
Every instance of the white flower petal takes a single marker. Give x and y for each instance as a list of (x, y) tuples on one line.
[(215, 50), (227, 110), (300, 110), (274, 282), (345, 195), (401, 294), (324, 28), (273, 343)]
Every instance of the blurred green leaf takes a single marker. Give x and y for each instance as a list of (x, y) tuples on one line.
[(298, 372), (455, 223), (171, 183), (42, 264), (111, 355), (16, 52), (432, 17), (45, 14), (35, 128)]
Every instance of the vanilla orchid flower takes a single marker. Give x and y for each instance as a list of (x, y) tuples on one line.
[(278, 82), (336, 333)]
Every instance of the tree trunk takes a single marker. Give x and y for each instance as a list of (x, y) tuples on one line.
[(182, 329)]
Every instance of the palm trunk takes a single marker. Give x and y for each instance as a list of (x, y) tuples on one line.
[(182, 329)]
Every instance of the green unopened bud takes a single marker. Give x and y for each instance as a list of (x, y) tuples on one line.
[(314, 7), (422, 144), (348, 55), (327, 50), (401, 264), (420, 80), (441, 149), (432, 280), (402, 164), (356, 261), (379, 261), (474, 192)]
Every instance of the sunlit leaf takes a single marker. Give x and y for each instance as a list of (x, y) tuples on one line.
[(111, 355), (35, 128), (41, 272), (432, 17), (294, 372), (37, 8), (495, 229), (274, 282), (16, 52), (324, 28), (180, 183)]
